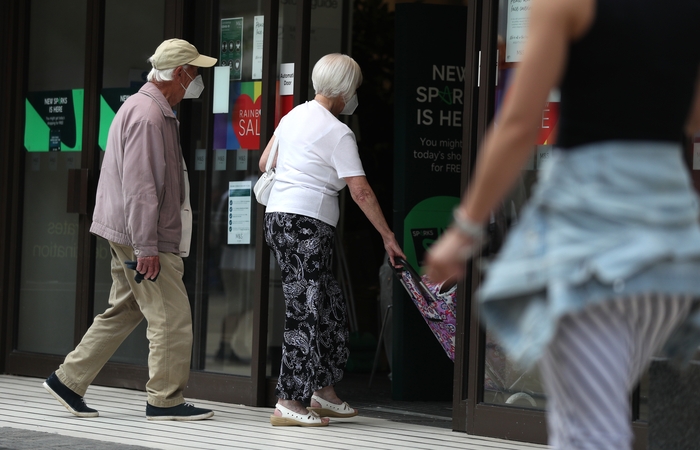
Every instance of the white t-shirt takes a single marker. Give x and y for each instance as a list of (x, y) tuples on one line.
[(316, 151)]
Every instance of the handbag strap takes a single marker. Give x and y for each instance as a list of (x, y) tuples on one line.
[(273, 152)]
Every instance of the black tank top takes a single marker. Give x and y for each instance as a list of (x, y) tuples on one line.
[(632, 75)]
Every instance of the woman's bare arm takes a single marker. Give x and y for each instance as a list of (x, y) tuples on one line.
[(266, 154), (363, 195)]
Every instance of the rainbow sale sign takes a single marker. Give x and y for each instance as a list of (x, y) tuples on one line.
[(240, 127)]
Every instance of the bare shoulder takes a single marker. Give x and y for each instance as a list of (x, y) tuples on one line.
[(576, 16)]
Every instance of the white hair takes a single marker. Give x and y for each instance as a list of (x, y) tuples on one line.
[(157, 76), (336, 75)]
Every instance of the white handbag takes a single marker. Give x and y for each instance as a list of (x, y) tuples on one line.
[(186, 217), (263, 186)]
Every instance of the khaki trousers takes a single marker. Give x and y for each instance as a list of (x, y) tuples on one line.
[(164, 304)]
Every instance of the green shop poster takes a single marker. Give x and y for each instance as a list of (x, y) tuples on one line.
[(429, 108), (110, 101), (54, 121), (428, 118)]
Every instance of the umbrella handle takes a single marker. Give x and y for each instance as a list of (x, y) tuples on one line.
[(427, 293)]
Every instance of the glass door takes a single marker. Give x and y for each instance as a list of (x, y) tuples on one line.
[(234, 236), (510, 399), (85, 57), (505, 400), (505, 383), (237, 146), (130, 39), (53, 146)]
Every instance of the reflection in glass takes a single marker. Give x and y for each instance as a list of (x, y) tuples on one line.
[(506, 383), (52, 137), (230, 280), (644, 396), (229, 339), (129, 40), (233, 226), (229, 334)]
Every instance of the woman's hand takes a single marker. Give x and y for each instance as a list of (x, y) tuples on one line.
[(447, 258), (393, 250)]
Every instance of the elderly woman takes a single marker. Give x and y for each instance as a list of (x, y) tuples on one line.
[(317, 157), (602, 270)]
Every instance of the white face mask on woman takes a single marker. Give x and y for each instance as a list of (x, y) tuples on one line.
[(195, 88), (350, 105)]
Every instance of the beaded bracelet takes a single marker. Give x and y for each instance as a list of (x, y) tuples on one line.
[(470, 229)]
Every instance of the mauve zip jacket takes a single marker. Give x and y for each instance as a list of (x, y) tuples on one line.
[(142, 180)]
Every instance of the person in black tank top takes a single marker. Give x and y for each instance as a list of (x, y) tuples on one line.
[(632, 75), (601, 269)]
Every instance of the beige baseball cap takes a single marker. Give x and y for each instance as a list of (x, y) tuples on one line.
[(178, 52)]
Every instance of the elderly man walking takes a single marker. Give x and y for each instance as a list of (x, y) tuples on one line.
[(142, 209)]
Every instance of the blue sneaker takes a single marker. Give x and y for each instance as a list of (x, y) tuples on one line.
[(184, 411), (72, 401)]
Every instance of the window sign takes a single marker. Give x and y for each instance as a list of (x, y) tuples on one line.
[(54, 121), (232, 46), (200, 162), (429, 119), (219, 159), (287, 79), (53, 161), (241, 160), (70, 161), (36, 162), (240, 127), (112, 99), (516, 29), (258, 28), (238, 218), (222, 75)]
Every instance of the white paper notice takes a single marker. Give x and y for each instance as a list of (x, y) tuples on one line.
[(239, 202), (287, 79), (258, 28), (696, 156), (542, 153), (516, 29), (221, 88), (219, 159), (241, 160), (200, 159), (53, 161), (70, 162)]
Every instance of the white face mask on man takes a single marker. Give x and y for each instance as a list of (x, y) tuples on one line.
[(350, 105), (195, 88)]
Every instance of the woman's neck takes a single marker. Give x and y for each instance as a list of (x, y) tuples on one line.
[(334, 105)]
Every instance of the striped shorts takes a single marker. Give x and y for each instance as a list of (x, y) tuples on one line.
[(594, 361)]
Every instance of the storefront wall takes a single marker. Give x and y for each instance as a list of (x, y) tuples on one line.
[(73, 67), (68, 71)]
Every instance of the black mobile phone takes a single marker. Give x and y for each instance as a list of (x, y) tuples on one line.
[(139, 276)]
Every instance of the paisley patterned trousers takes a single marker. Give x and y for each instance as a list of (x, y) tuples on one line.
[(315, 347)]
